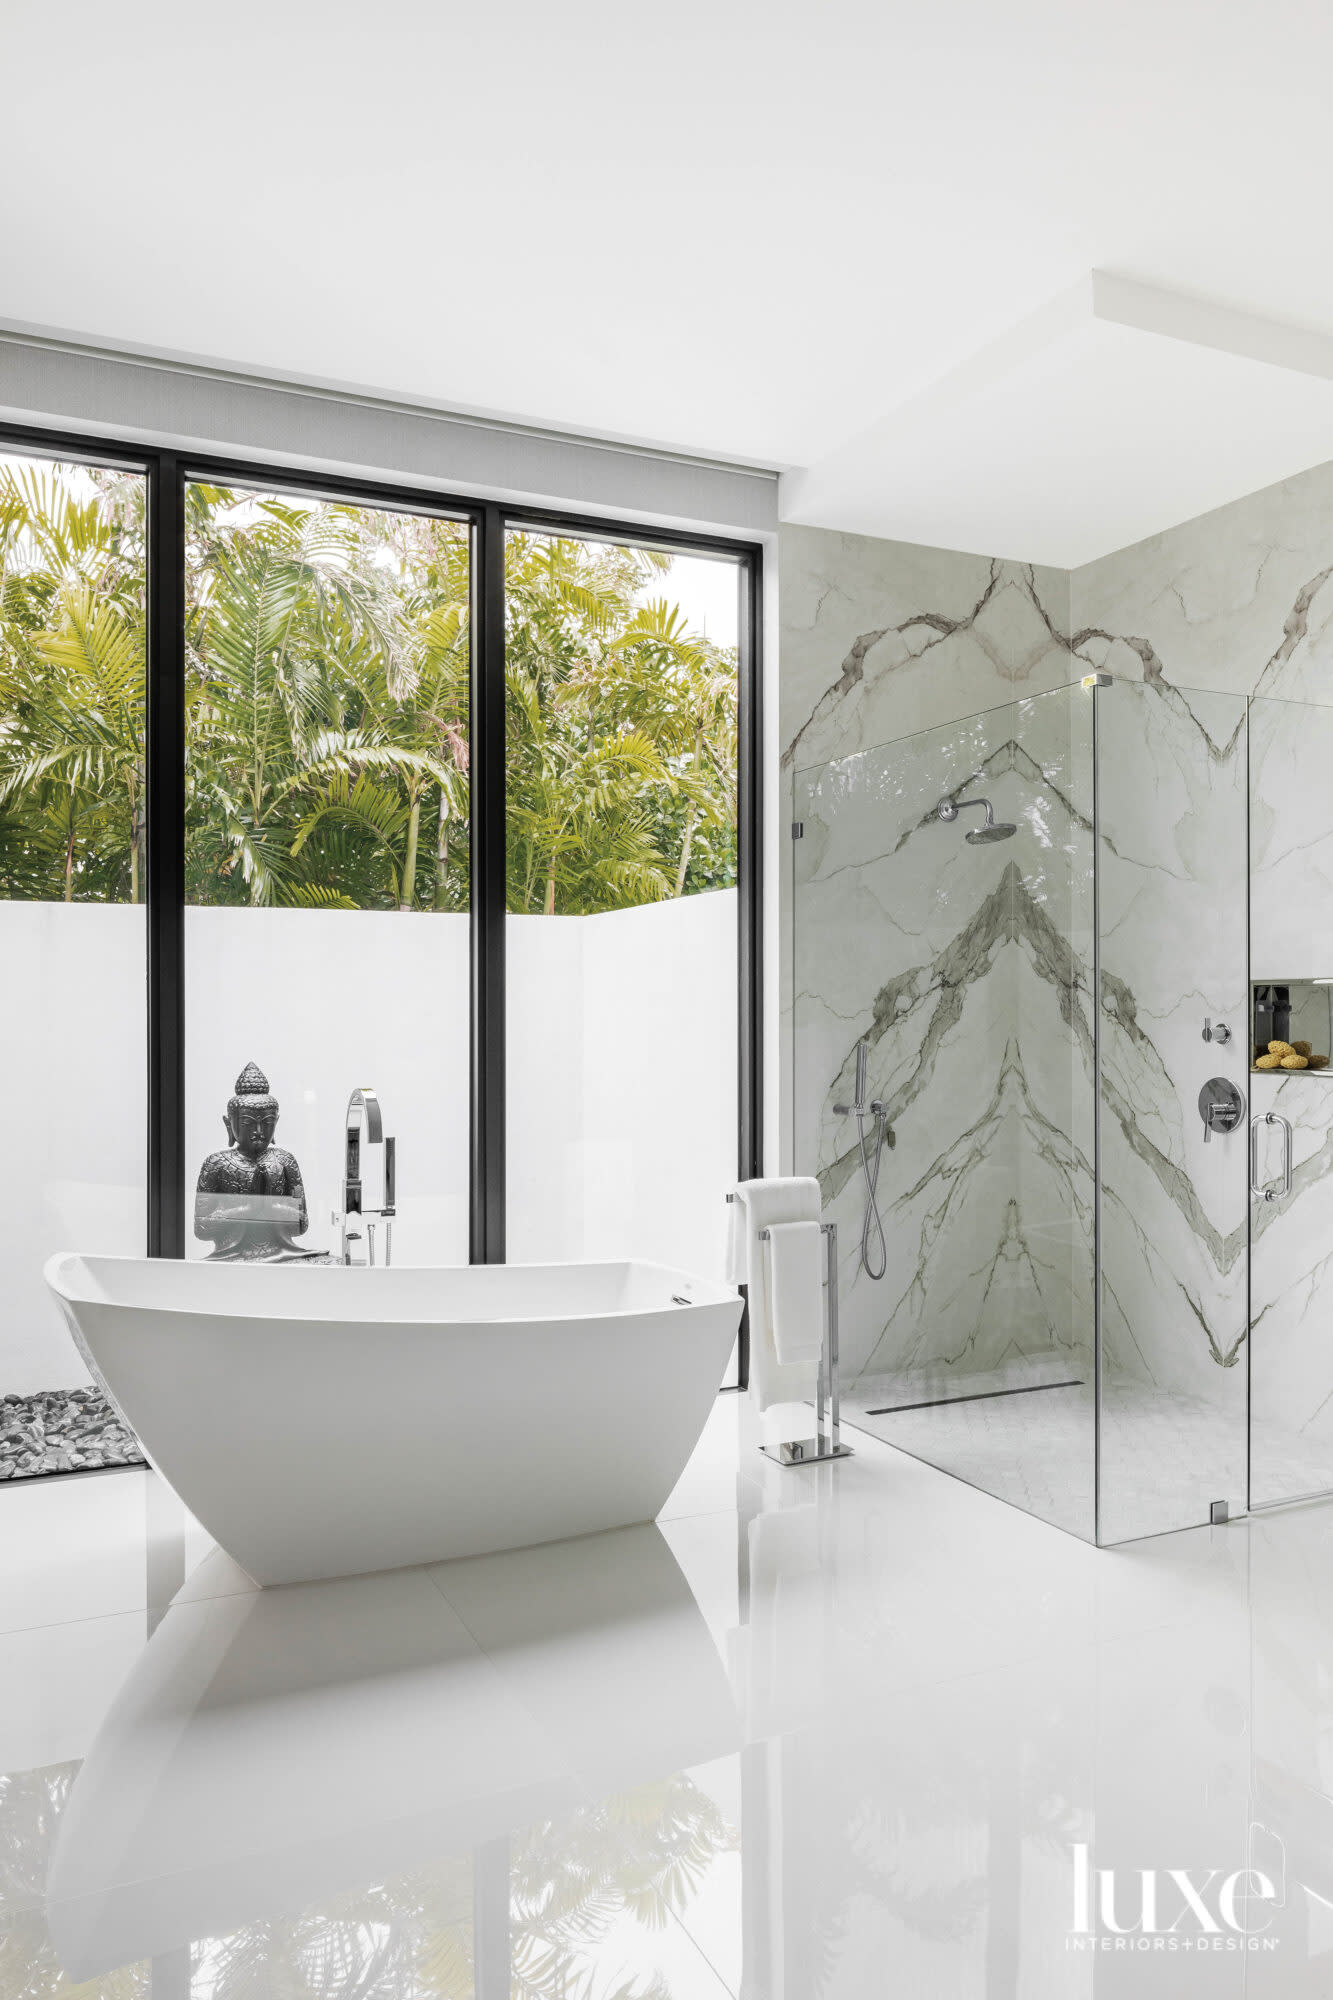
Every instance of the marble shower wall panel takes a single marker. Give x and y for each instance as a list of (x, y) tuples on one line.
[(1053, 745), (1291, 1269), (1291, 1295), (957, 964), (1291, 839), (881, 639), (1172, 899), (1240, 600)]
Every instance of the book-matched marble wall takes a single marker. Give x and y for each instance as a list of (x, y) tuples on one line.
[(1238, 603), (942, 955), (908, 674), (1291, 1263), (879, 640), (966, 969), (1171, 903)]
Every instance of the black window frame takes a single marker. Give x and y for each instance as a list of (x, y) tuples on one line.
[(167, 471)]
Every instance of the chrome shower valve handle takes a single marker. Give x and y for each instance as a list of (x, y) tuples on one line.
[(1221, 1106)]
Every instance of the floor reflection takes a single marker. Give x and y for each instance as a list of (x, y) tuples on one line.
[(834, 1734), (274, 1752)]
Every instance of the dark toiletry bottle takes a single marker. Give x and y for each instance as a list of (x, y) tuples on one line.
[(1281, 1014), (1264, 1031)]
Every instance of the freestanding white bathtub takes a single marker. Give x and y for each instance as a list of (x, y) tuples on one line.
[(322, 1420)]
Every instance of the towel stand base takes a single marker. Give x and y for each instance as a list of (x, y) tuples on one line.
[(804, 1451), (827, 1445)]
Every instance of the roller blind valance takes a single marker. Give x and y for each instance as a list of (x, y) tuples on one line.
[(61, 381)]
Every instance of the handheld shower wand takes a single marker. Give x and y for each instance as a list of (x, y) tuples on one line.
[(873, 1264)]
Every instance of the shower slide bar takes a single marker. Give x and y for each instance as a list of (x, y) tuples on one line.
[(827, 1443)]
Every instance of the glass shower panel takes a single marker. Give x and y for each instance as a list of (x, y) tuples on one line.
[(962, 967), (1173, 1238), (1291, 970)]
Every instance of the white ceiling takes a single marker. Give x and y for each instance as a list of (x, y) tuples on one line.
[(748, 228)]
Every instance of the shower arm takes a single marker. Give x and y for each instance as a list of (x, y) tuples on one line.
[(949, 809)]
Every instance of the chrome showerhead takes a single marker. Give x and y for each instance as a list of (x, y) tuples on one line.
[(949, 809)]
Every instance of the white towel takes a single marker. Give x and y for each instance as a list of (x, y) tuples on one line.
[(796, 1296), (761, 1205)]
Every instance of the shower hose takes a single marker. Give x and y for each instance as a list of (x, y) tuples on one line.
[(874, 1264)]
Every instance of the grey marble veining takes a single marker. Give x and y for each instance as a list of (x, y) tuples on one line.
[(1291, 840), (1171, 862), (1240, 600), (967, 971), (881, 639), (1291, 1296)]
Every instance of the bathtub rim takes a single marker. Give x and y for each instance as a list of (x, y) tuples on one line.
[(714, 1291)]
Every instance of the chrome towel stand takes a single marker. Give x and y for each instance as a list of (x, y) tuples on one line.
[(827, 1443)]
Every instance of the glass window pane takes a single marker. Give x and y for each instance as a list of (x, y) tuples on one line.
[(327, 867), (622, 956), (72, 936)]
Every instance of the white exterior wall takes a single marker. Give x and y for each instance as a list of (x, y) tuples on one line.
[(622, 1080)]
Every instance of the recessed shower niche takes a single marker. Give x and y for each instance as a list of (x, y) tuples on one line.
[(1291, 1025)]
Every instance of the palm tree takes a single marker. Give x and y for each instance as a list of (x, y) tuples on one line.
[(305, 769), (621, 732), (328, 670), (72, 664)]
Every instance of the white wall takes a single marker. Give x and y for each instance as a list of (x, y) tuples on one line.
[(622, 1086), (324, 1000), (73, 1018), (622, 1127)]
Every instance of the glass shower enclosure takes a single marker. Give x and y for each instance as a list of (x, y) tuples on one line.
[(1079, 1260)]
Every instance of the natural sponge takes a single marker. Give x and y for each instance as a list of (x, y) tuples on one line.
[(1319, 1062), (1293, 1061), (1267, 1062), (1281, 1049), (1303, 1048)]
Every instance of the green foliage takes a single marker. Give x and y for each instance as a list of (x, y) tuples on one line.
[(327, 661), (621, 733), (72, 622)]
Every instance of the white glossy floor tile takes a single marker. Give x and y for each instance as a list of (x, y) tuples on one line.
[(57, 1683), (71, 1547), (823, 1733)]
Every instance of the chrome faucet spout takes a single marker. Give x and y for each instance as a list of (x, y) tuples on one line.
[(364, 1124)]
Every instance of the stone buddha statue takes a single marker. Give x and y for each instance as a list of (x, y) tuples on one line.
[(250, 1201)]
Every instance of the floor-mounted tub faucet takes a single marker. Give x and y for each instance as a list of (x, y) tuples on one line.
[(365, 1124)]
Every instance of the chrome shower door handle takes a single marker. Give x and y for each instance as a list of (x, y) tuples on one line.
[(1288, 1148), (1256, 1186)]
